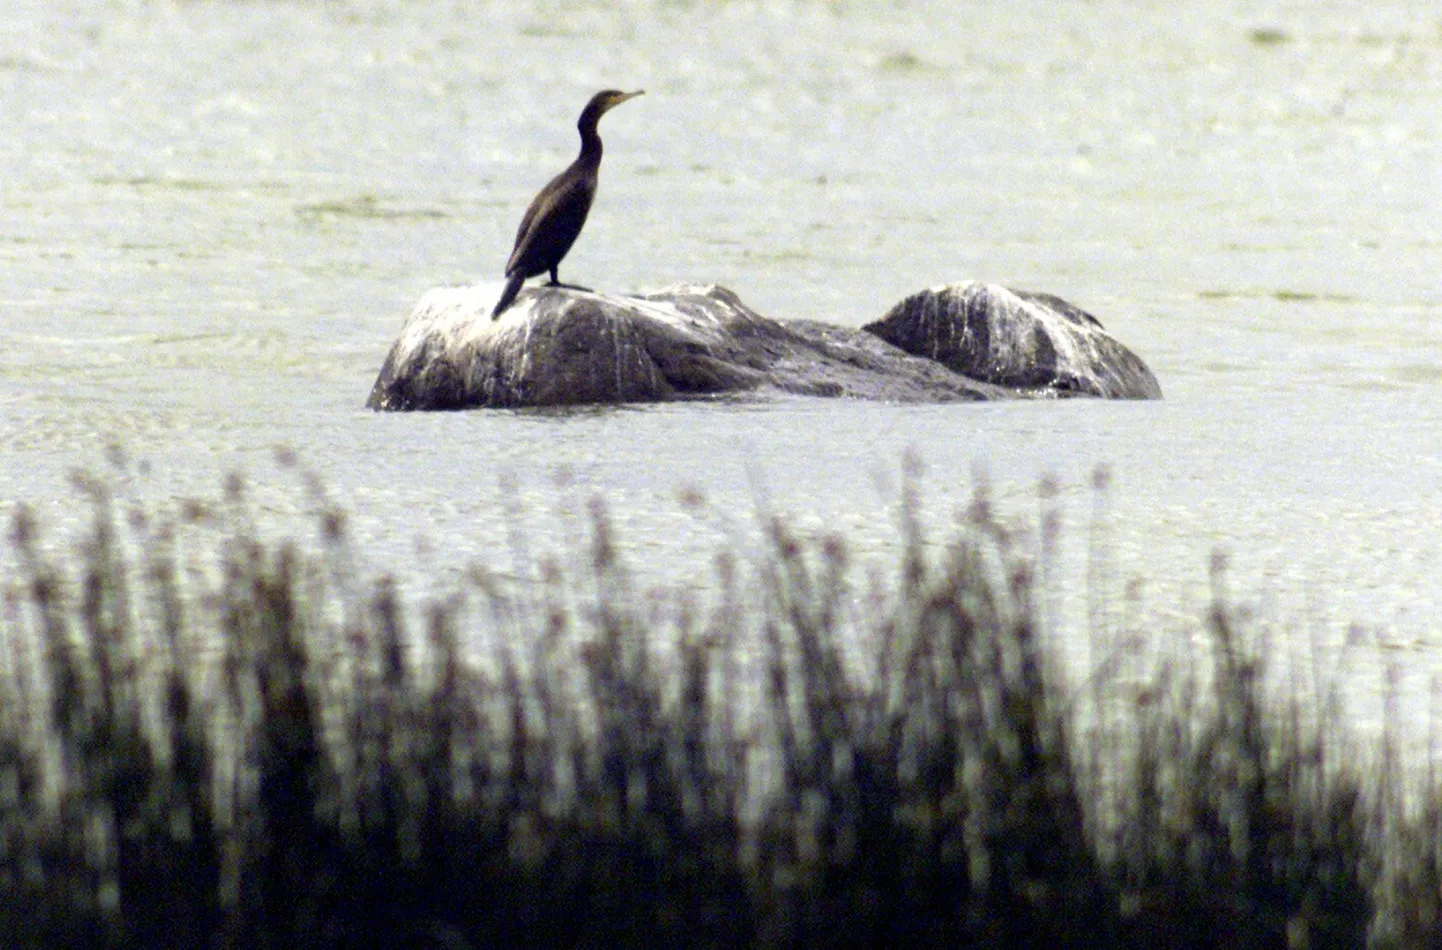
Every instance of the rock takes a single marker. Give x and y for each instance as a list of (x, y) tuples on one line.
[(1016, 339), (557, 346), (560, 346)]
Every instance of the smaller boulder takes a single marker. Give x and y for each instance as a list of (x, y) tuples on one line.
[(1016, 339)]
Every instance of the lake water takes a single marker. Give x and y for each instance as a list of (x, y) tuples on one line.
[(215, 216)]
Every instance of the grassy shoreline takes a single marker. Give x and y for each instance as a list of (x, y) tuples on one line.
[(259, 753)]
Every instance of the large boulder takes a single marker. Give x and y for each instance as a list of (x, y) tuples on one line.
[(560, 346), (1017, 339)]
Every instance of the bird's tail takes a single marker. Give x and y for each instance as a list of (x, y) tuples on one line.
[(513, 287)]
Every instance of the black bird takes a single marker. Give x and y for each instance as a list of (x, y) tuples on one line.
[(557, 214)]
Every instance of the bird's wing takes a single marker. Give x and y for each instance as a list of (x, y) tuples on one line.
[(546, 210)]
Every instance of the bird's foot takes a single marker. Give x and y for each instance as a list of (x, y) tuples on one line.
[(557, 283)]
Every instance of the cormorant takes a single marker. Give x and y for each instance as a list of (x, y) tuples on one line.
[(558, 213)]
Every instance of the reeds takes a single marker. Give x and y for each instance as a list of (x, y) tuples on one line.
[(208, 740)]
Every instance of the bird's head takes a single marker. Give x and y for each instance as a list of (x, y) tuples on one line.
[(602, 102)]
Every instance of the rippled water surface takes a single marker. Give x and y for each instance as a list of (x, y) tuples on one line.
[(214, 217)]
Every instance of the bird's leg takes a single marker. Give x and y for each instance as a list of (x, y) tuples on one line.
[(556, 282)]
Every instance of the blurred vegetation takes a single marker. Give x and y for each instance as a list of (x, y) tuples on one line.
[(208, 740)]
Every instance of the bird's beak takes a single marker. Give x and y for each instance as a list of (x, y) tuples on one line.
[(628, 95)]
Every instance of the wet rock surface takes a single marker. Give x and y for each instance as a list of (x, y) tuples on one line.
[(558, 346)]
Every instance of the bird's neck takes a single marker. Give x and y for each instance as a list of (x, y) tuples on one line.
[(590, 144)]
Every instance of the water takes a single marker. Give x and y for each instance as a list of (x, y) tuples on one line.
[(214, 217)]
